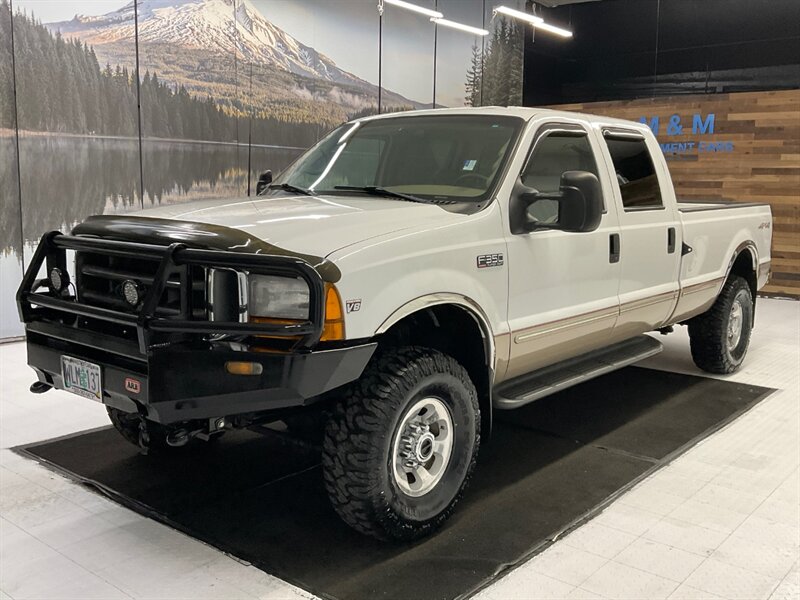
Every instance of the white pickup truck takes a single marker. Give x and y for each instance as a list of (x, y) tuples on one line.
[(403, 279)]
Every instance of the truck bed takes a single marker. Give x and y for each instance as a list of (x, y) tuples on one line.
[(714, 231), (697, 205)]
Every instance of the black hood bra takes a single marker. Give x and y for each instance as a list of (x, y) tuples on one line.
[(148, 230)]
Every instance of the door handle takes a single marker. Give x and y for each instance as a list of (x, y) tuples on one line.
[(613, 248), (671, 240)]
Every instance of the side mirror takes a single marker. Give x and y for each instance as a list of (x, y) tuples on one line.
[(578, 205), (263, 182)]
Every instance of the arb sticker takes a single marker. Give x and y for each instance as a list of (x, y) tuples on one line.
[(134, 386)]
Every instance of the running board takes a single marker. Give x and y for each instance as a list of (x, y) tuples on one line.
[(560, 376)]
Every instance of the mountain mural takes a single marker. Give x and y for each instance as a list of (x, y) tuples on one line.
[(218, 46)]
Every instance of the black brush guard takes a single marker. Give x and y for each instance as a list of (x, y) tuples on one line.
[(175, 258), (179, 363)]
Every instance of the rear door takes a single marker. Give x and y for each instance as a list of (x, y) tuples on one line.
[(650, 233), (562, 286)]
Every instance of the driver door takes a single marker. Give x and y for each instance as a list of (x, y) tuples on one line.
[(563, 286)]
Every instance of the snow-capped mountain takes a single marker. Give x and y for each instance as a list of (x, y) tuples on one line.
[(220, 27)]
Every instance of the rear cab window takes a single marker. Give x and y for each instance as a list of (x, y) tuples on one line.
[(635, 172)]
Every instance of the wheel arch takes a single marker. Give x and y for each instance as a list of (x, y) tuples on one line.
[(427, 320), (744, 264)]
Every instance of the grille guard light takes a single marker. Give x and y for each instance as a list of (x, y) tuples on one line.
[(57, 279), (131, 292)]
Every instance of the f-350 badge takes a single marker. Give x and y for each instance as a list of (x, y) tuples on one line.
[(490, 260)]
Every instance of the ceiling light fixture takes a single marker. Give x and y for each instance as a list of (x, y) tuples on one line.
[(553, 29), (460, 26), (518, 14), (434, 14), (537, 22)]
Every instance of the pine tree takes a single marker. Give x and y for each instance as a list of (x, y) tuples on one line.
[(515, 67), (492, 79), (474, 76), (500, 81), (6, 76)]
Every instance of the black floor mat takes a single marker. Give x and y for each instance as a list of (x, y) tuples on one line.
[(549, 466)]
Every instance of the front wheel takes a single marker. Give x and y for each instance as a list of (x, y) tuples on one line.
[(719, 338), (400, 448)]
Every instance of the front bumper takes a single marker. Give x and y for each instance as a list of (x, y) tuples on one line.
[(182, 382), (170, 366)]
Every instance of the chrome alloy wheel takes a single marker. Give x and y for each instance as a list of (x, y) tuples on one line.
[(422, 447), (735, 322)]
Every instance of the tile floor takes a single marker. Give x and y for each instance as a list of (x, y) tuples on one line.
[(721, 521)]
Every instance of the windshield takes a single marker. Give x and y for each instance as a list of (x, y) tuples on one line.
[(447, 157)]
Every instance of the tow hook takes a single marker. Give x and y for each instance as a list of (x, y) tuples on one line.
[(40, 387), (181, 437)]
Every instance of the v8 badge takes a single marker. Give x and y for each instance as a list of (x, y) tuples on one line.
[(353, 305)]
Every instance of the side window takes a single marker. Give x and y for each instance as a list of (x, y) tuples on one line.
[(553, 154), (636, 174)]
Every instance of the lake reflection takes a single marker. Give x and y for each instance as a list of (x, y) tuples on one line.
[(64, 179)]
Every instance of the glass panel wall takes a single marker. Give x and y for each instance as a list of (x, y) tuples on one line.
[(225, 89)]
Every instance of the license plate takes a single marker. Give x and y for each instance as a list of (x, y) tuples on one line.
[(82, 378)]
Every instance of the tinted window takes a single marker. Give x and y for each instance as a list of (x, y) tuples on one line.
[(552, 155), (636, 174)]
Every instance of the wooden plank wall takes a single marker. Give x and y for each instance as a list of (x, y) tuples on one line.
[(763, 164)]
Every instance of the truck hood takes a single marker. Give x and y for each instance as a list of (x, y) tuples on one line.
[(314, 225)]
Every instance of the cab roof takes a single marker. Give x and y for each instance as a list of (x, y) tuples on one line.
[(526, 113)]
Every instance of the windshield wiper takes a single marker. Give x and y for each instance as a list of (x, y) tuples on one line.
[(374, 190), (288, 187)]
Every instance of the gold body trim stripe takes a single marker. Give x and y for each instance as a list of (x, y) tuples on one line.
[(649, 301), (529, 333), (699, 287)]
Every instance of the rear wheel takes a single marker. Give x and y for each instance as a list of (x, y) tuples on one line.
[(400, 448), (719, 338)]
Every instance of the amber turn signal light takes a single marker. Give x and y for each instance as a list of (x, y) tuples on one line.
[(243, 368), (334, 315)]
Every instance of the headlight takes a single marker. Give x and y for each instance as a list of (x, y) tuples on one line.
[(277, 297)]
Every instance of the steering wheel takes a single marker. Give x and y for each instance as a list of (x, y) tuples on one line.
[(463, 181)]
